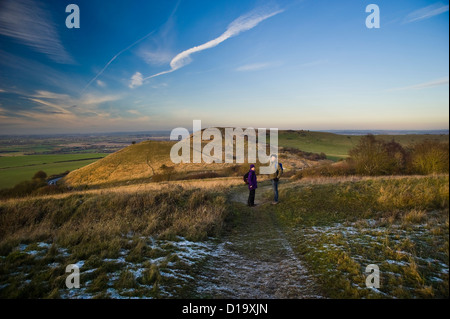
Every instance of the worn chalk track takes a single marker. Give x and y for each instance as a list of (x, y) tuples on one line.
[(255, 260)]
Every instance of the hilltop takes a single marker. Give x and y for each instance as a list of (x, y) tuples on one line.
[(150, 160)]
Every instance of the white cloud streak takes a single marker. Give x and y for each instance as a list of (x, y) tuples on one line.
[(243, 23), (29, 23), (253, 67), (126, 49), (51, 111), (112, 60), (427, 12), (426, 85)]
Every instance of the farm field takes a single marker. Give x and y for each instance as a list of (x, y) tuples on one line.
[(15, 169)]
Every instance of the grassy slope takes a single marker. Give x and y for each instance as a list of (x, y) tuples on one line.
[(140, 162), (143, 160), (125, 242), (337, 146), (400, 224), (16, 169), (134, 162), (338, 226)]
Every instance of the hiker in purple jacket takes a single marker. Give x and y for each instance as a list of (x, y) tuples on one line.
[(252, 186)]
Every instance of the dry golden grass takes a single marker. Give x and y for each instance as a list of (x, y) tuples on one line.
[(219, 184), (152, 159)]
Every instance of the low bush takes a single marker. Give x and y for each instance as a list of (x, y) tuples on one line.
[(375, 157), (429, 157)]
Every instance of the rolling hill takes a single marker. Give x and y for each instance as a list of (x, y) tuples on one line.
[(146, 160), (336, 146)]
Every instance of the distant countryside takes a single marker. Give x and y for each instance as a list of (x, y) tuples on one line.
[(22, 156)]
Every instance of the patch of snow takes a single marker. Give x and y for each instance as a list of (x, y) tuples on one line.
[(43, 245)]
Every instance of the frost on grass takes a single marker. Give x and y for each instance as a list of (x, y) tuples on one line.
[(164, 271), (413, 263)]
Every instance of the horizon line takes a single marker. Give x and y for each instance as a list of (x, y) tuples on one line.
[(308, 130)]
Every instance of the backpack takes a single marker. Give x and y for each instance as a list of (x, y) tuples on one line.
[(246, 178), (280, 170)]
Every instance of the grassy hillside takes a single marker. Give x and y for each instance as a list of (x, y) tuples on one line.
[(140, 162), (150, 160), (126, 244), (337, 146), (400, 224), (134, 162)]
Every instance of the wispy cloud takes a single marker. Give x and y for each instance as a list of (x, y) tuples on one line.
[(149, 57), (29, 23), (136, 80), (134, 112), (27, 68), (427, 12), (101, 83), (157, 57), (50, 103), (114, 58), (243, 23), (253, 67), (426, 85), (50, 95), (92, 99), (157, 51), (49, 107)]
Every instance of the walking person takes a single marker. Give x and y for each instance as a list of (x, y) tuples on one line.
[(275, 177), (252, 186)]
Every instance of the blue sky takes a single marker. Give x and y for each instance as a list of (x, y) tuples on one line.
[(157, 65)]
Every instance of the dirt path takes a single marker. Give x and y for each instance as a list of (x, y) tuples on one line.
[(255, 260)]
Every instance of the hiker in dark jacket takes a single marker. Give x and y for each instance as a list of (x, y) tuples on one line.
[(252, 185)]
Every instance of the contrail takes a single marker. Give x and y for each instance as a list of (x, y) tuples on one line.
[(126, 49), (241, 24), (115, 57)]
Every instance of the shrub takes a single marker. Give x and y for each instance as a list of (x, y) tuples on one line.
[(429, 157), (376, 157), (342, 168), (303, 154), (40, 175), (36, 186)]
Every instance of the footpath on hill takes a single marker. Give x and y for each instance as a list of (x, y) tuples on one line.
[(254, 260)]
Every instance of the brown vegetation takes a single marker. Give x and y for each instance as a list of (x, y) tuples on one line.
[(376, 157)]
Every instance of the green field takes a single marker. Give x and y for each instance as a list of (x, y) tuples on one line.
[(337, 146), (15, 169)]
